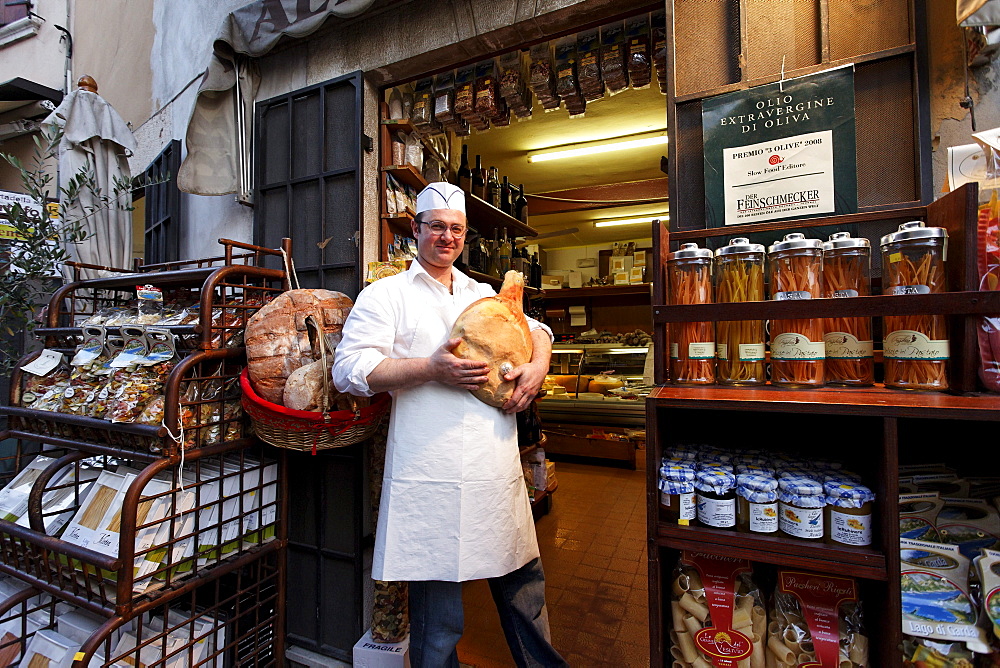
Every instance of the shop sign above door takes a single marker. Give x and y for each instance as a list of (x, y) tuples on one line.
[(784, 150)]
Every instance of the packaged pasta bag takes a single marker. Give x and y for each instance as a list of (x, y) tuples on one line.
[(717, 612), (465, 92), (918, 514), (567, 77), (42, 374), (936, 600), (444, 97), (150, 304), (423, 103), (988, 257), (971, 524), (512, 85), (815, 620), (588, 47), (639, 59), (659, 25), (542, 76), (145, 382)]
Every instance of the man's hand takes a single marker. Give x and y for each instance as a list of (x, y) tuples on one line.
[(450, 370), (529, 378)]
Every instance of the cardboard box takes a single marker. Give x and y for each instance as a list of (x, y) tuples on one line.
[(371, 654), (621, 278), (550, 281), (575, 279), (635, 275)]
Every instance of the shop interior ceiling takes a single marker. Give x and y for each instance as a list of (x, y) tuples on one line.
[(627, 113)]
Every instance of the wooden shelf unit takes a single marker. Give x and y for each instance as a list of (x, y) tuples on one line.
[(868, 429)]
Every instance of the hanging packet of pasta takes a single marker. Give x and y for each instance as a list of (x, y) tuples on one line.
[(918, 516), (718, 613), (816, 622), (934, 582)]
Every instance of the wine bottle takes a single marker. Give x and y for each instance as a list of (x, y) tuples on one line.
[(464, 178), (505, 198), (505, 253), (536, 271), (484, 255), (521, 205), (479, 179), (493, 187), (495, 253)]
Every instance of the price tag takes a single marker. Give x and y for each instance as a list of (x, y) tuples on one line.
[(47, 361)]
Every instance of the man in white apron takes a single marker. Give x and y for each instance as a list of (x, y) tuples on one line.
[(454, 506)]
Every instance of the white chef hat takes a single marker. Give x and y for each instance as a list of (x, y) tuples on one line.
[(441, 195)]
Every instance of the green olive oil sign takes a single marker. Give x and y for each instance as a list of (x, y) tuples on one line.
[(784, 150)]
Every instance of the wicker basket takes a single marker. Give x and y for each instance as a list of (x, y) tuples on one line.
[(309, 431)]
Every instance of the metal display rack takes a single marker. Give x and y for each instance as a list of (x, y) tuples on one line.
[(188, 571)]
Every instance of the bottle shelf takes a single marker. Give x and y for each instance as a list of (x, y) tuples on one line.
[(596, 291), (486, 218), (860, 562)]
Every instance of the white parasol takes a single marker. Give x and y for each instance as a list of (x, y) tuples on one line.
[(95, 140)]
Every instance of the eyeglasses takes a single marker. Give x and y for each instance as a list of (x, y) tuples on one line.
[(438, 228)]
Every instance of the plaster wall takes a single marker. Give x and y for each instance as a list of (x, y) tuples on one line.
[(112, 42), (40, 58)]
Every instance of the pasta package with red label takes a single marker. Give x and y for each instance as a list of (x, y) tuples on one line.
[(816, 620), (717, 612), (988, 257)]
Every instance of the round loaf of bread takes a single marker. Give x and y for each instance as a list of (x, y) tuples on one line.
[(277, 340)]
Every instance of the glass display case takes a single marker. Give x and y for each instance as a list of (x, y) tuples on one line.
[(597, 383)]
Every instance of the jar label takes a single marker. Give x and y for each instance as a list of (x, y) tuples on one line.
[(845, 346), (701, 351), (850, 529), (689, 507), (906, 344), (763, 517), (719, 513), (838, 294), (674, 350), (801, 522), (793, 346), (792, 294), (751, 352), (911, 290), (723, 349)]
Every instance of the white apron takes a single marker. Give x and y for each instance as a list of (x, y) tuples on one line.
[(454, 505)]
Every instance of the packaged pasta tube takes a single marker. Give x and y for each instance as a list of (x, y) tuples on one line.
[(798, 352), (937, 603), (739, 277), (692, 344), (846, 273), (915, 347), (816, 619), (718, 617)]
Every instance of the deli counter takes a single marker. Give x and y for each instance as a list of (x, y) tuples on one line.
[(597, 383)]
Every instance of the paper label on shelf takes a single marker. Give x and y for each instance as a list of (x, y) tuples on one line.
[(701, 351), (850, 529), (840, 294), (907, 344), (911, 290), (792, 295), (723, 349), (801, 522), (845, 346), (717, 513), (674, 350), (763, 517), (793, 346), (45, 362), (751, 352), (727, 646), (820, 597), (689, 507)]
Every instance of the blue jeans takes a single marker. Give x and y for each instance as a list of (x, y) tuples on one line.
[(437, 620)]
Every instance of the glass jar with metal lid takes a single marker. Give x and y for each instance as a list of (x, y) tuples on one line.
[(798, 352), (739, 277), (800, 507), (677, 499), (692, 344), (756, 503), (848, 512), (847, 273), (716, 498), (915, 347)]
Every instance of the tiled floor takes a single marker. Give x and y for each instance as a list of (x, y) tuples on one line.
[(593, 546)]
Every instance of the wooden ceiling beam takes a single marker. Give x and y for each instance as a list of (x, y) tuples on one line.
[(607, 196)]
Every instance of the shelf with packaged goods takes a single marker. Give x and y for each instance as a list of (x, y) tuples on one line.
[(407, 175), (597, 292), (405, 126), (813, 555)]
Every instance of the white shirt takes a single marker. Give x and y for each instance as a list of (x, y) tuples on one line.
[(454, 505)]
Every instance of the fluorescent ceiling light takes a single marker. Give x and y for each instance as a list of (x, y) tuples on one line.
[(610, 222), (556, 352), (599, 146)]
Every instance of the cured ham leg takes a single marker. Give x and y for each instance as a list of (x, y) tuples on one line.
[(494, 330)]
